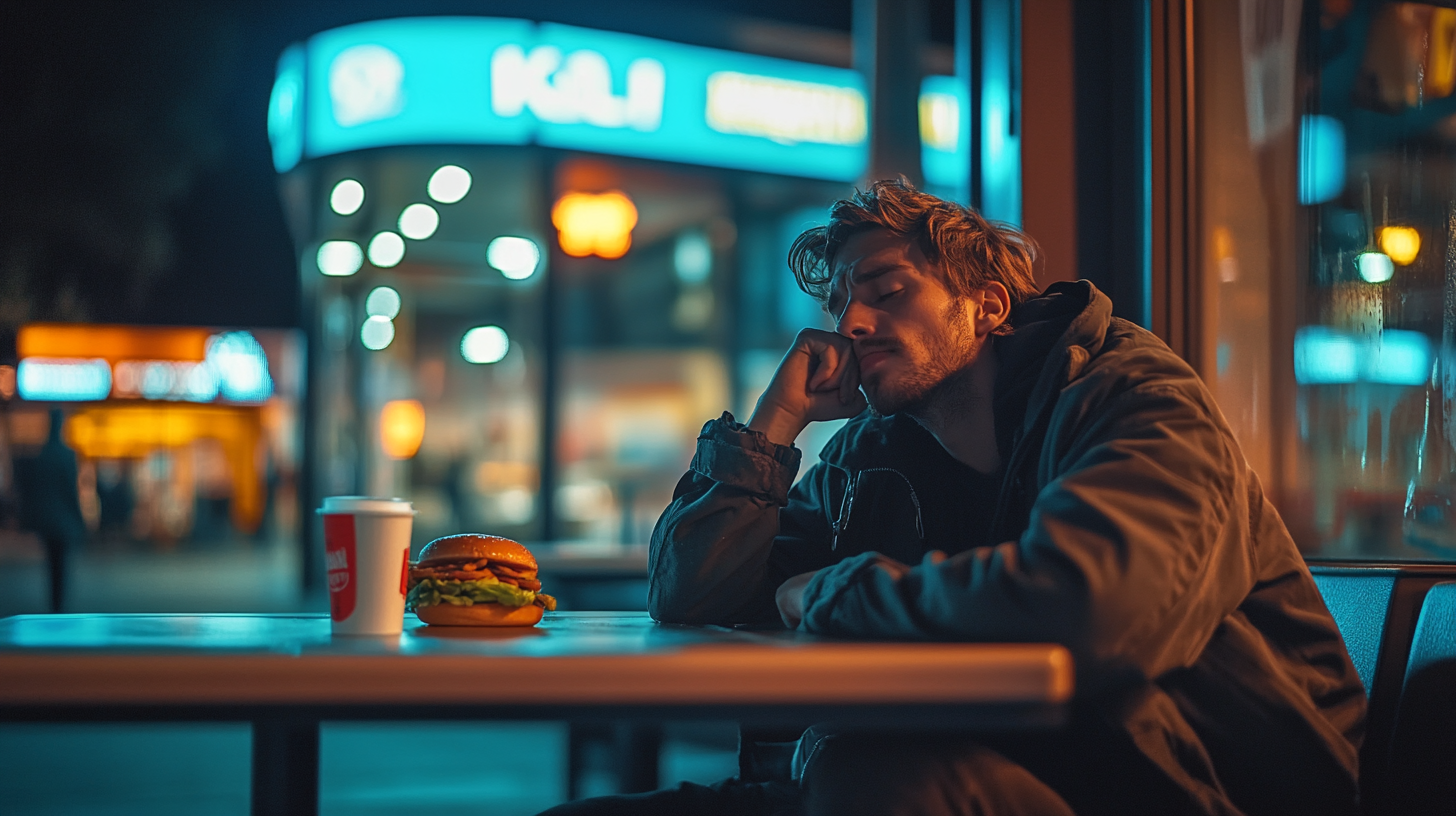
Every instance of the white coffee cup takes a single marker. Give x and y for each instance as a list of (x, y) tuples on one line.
[(366, 557)]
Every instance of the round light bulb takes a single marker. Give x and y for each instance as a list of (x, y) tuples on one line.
[(382, 302), (485, 344), (386, 249), (1402, 244), (377, 333), (339, 258), (449, 184), (419, 221), (1375, 267), (516, 258), (347, 197)]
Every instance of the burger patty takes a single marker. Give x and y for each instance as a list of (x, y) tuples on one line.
[(465, 570)]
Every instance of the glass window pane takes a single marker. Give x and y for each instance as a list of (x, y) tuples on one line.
[(1326, 203)]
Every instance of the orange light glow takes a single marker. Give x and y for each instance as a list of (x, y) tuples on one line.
[(590, 224), (112, 343), (402, 428), (1402, 244), (133, 431)]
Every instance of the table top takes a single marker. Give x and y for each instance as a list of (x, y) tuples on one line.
[(570, 659)]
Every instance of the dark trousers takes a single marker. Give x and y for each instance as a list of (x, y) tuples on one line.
[(924, 774)]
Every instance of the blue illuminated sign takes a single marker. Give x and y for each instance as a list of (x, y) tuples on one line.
[(63, 380), (445, 80)]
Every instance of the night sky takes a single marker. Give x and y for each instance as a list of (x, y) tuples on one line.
[(135, 179)]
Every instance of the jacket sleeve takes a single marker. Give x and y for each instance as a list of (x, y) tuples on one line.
[(1137, 548), (737, 527)]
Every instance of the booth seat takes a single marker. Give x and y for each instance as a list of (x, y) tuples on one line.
[(1399, 623)]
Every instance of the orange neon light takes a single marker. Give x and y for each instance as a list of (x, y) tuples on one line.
[(401, 428), (112, 343), (590, 224)]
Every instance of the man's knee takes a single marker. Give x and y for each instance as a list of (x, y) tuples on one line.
[(919, 775)]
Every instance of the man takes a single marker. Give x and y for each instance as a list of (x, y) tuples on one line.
[(1019, 467)]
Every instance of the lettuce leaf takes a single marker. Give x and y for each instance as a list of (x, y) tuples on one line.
[(431, 591)]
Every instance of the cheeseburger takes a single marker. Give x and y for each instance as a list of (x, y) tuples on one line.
[(476, 580)]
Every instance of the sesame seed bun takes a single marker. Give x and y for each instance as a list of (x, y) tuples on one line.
[(475, 546)]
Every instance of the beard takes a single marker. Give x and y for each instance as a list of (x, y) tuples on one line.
[(929, 375)]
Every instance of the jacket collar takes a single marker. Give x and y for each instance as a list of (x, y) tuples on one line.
[(1053, 337)]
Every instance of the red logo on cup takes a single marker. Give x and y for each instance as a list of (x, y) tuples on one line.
[(404, 573), (341, 564)]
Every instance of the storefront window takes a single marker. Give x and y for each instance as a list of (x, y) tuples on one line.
[(1327, 202)]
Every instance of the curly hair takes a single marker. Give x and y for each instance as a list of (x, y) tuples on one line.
[(968, 250)]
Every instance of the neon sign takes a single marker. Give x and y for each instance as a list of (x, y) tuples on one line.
[(462, 80)]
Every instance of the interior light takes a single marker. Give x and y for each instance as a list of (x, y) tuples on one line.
[(377, 333), (1375, 267), (386, 249), (592, 224), (485, 344), (516, 258), (419, 221), (401, 428), (449, 184), (339, 258), (382, 302), (1402, 244), (692, 257), (347, 197)]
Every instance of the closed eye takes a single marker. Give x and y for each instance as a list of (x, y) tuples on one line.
[(886, 296)]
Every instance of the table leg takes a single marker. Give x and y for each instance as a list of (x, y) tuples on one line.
[(285, 766), (640, 745)]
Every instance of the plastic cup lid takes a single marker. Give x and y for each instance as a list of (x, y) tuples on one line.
[(367, 504)]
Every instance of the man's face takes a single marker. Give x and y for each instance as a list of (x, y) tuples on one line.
[(910, 333)]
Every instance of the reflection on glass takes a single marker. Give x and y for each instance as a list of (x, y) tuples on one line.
[(1328, 199)]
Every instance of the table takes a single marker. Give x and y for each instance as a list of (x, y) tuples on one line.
[(285, 674)]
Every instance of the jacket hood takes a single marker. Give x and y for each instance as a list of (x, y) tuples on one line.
[(1053, 337)]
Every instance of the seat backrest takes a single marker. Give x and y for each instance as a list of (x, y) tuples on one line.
[(1422, 769), (1359, 600)]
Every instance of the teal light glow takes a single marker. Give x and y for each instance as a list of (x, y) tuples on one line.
[(449, 184), (419, 221), (1000, 139), (1323, 356), (1321, 158), (517, 258), (63, 380), (240, 366), (386, 249), (483, 345), (339, 259), (1375, 267), (945, 146), (347, 197), (383, 301), (285, 110)]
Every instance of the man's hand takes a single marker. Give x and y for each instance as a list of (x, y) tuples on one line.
[(790, 598), (817, 380)]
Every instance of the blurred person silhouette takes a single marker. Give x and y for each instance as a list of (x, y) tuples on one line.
[(50, 504), (114, 494)]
